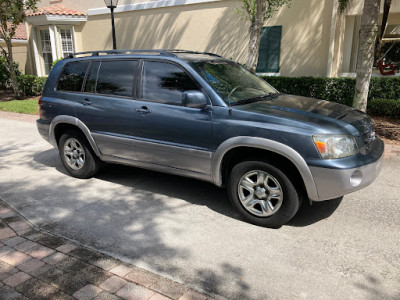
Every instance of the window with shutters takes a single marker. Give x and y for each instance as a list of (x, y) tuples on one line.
[(270, 50)]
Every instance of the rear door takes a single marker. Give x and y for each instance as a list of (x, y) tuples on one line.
[(106, 106), (169, 134)]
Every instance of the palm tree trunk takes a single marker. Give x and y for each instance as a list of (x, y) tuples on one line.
[(255, 32), (11, 68), (365, 59)]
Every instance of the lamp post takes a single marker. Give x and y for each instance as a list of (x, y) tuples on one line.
[(111, 4)]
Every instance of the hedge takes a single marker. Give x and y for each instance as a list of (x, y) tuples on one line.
[(339, 90), (384, 107), (31, 85)]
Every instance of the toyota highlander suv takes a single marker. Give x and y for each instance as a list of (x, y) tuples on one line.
[(199, 115)]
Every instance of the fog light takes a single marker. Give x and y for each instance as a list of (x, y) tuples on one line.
[(356, 178)]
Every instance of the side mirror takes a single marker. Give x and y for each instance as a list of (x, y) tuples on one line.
[(194, 99)]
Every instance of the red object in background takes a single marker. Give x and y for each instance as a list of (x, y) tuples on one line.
[(382, 67)]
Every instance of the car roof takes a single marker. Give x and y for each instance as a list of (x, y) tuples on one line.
[(186, 55)]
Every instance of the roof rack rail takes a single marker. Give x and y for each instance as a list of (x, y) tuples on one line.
[(192, 52), (120, 52), (167, 52)]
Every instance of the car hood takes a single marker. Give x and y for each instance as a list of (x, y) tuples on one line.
[(303, 108)]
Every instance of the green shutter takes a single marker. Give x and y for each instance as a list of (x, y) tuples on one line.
[(270, 49)]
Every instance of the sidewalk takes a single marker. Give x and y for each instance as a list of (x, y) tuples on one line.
[(36, 265)]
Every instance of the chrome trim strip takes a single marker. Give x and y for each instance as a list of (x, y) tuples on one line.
[(174, 148), (154, 145), (273, 146)]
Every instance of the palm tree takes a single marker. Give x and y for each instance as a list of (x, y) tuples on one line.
[(366, 49), (367, 45)]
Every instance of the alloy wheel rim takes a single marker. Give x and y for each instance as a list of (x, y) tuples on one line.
[(260, 193), (74, 154)]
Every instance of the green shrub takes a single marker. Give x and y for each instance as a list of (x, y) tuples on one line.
[(339, 90), (5, 80), (384, 107), (31, 85), (54, 62)]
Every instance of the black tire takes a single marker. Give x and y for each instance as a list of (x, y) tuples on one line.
[(91, 163), (286, 205)]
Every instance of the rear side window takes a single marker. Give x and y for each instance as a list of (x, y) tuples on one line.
[(165, 82), (72, 77), (114, 78), (90, 85)]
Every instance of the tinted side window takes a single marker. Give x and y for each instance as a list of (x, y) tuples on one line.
[(72, 77), (165, 82), (90, 85), (116, 78)]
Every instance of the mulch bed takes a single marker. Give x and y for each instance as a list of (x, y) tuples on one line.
[(6, 95), (388, 129)]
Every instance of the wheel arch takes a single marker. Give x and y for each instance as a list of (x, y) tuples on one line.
[(239, 148), (62, 123)]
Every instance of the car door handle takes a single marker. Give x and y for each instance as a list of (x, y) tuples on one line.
[(86, 102), (143, 110)]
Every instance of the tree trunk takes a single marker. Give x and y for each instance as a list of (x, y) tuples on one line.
[(365, 59), (255, 32), (13, 75)]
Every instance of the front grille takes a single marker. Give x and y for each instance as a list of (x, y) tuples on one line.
[(367, 132)]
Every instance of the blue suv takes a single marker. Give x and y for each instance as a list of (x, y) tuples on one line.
[(199, 115)]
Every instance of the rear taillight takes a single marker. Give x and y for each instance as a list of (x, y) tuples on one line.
[(40, 107)]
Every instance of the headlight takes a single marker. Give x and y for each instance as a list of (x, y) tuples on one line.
[(335, 146)]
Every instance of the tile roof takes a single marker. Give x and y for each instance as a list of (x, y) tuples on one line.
[(20, 32), (58, 9)]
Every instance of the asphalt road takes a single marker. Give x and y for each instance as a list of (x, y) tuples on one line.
[(187, 229)]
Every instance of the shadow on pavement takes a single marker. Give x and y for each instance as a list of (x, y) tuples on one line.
[(193, 191), (310, 214)]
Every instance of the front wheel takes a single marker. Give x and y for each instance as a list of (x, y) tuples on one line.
[(263, 194), (77, 155)]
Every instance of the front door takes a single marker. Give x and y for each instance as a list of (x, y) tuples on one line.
[(167, 133)]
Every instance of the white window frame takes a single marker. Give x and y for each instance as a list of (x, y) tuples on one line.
[(52, 50), (72, 40)]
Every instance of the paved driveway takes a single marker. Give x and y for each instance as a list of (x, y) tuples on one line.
[(187, 230)]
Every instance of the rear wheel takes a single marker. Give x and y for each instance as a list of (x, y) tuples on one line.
[(263, 194), (77, 156)]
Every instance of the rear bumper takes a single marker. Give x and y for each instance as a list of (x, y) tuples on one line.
[(44, 129), (333, 183)]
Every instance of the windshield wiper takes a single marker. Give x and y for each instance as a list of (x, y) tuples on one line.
[(255, 99)]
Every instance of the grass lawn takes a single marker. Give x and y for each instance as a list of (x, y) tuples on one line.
[(29, 106)]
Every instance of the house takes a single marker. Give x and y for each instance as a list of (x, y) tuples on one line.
[(309, 38), (20, 49)]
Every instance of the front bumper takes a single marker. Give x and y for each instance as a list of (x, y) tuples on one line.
[(333, 183)]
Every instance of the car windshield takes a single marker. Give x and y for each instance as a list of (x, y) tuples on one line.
[(232, 82)]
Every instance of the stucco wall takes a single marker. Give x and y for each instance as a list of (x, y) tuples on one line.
[(356, 7), (84, 5), (306, 28), (20, 55), (214, 27)]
